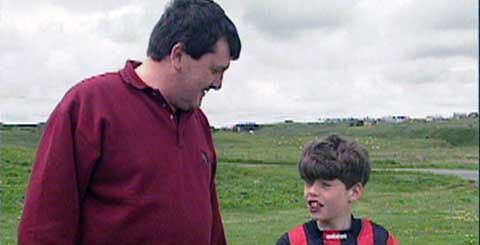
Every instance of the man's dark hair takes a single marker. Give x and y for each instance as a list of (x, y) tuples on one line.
[(335, 158), (198, 25)]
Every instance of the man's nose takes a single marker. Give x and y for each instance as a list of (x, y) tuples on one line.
[(217, 84)]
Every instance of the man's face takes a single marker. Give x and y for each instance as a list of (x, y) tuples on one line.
[(329, 201), (199, 76)]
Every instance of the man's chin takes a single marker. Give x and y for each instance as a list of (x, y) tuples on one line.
[(189, 109), (189, 106)]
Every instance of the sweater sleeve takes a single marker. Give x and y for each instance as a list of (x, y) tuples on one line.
[(64, 162)]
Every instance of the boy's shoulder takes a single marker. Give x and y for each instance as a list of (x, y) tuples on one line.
[(367, 229), (380, 234), (308, 230), (361, 230)]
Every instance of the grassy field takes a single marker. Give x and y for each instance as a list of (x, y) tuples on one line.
[(452, 144), (261, 192), (260, 203)]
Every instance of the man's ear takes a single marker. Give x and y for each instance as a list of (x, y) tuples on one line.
[(176, 55), (356, 192)]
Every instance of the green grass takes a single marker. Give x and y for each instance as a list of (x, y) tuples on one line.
[(260, 203), (261, 192), (22, 137), (452, 144), (15, 171)]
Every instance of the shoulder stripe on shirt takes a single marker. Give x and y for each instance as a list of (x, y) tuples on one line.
[(392, 240), (366, 236), (298, 236)]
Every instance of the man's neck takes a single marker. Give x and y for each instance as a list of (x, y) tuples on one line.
[(156, 75), (153, 73)]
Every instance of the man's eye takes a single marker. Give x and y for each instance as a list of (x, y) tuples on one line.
[(219, 69)]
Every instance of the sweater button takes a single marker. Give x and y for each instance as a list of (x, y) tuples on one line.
[(171, 117)]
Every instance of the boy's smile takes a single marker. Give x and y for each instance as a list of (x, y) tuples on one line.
[(314, 206), (330, 203)]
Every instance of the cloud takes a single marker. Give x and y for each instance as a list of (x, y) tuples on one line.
[(439, 44), (285, 20), (73, 7), (300, 60), (49, 50), (443, 15)]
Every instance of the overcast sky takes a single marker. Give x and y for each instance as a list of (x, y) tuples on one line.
[(301, 60)]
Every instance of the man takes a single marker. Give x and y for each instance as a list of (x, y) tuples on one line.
[(127, 157)]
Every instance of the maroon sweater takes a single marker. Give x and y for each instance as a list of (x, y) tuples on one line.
[(116, 166)]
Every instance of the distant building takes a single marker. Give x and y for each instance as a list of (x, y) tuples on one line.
[(370, 121), (395, 119), (435, 118), (246, 127), (332, 121), (473, 115), (355, 122), (457, 115)]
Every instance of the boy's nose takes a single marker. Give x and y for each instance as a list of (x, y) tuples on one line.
[(309, 191)]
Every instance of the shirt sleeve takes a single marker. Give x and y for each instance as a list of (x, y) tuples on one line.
[(284, 240), (218, 236), (392, 240), (64, 162), (218, 232)]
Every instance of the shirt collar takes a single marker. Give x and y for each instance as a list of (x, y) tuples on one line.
[(130, 77), (353, 225)]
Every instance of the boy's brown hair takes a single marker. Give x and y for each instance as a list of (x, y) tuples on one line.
[(335, 158)]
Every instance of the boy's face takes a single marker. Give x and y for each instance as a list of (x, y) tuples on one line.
[(330, 202)]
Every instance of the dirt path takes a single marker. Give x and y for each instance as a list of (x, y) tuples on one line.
[(466, 174)]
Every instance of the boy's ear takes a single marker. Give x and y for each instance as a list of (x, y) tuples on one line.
[(356, 192), (176, 55)]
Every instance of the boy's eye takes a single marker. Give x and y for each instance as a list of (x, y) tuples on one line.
[(325, 184)]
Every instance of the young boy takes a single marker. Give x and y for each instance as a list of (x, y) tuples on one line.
[(335, 172)]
